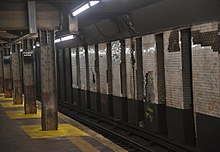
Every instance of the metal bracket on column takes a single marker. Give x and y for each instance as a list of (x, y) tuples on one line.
[(73, 24)]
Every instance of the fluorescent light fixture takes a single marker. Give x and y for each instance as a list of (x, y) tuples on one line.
[(84, 7), (57, 41), (69, 37), (81, 9), (92, 3), (37, 44), (65, 38)]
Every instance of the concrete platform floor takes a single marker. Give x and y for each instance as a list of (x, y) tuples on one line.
[(73, 137)]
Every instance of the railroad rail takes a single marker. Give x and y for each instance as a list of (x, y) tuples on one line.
[(131, 138)]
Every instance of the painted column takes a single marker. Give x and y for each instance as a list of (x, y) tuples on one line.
[(16, 72), (1, 73), (7, 73), (49, 118), (29, 79)]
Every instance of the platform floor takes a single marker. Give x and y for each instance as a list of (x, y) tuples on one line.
[(22, 133)]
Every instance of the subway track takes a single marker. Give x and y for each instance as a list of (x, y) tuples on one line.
[(131, 138)]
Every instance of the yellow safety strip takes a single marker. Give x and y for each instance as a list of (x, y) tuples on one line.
[(11, 105), (2, 98), (64, 130), (22, 115), (93, 134), (83, 145)]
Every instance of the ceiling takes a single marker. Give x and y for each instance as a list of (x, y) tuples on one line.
[(147, 15), (14, 18), (111, 8)]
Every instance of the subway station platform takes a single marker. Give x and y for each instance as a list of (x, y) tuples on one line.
[(22, 133)]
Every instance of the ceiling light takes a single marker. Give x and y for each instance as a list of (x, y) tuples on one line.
[(84, 7), (37, 44), (69, 37), (81, 9), (92, 3), (57, 41)]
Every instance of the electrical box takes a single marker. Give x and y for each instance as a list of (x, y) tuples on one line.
[(28, 56), (7, 59)]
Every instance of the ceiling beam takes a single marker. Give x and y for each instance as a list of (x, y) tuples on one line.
[(46, 1), (47, 18)]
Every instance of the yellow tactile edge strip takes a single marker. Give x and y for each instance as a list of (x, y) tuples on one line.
[(82, 144), (22, 115), (2, 98), (92, 133), (38, 133), (64, 130), (10, 105)]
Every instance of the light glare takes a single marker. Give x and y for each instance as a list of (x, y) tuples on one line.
[(92, 3), (70, 37), (57, 41), (81, 9)]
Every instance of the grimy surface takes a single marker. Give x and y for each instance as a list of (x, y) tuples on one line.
[(22, 133)]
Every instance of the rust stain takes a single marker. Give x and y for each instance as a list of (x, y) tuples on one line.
[(1, 84), (49, 111), (8, 88), (174, 41), (30, 100), (17, 95)]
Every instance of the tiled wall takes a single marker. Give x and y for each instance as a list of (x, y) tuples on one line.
[(175, 58), (205, 69), (116, 61), (92, 68), (130, 68), (74, 68), (103, 68), (150, 68), (173, 69), (82, 68)]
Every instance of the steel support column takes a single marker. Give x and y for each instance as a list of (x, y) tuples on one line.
[(32, 16), (7, 73), (29, 79), (16, 72), (1, 73), (49, 117)]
